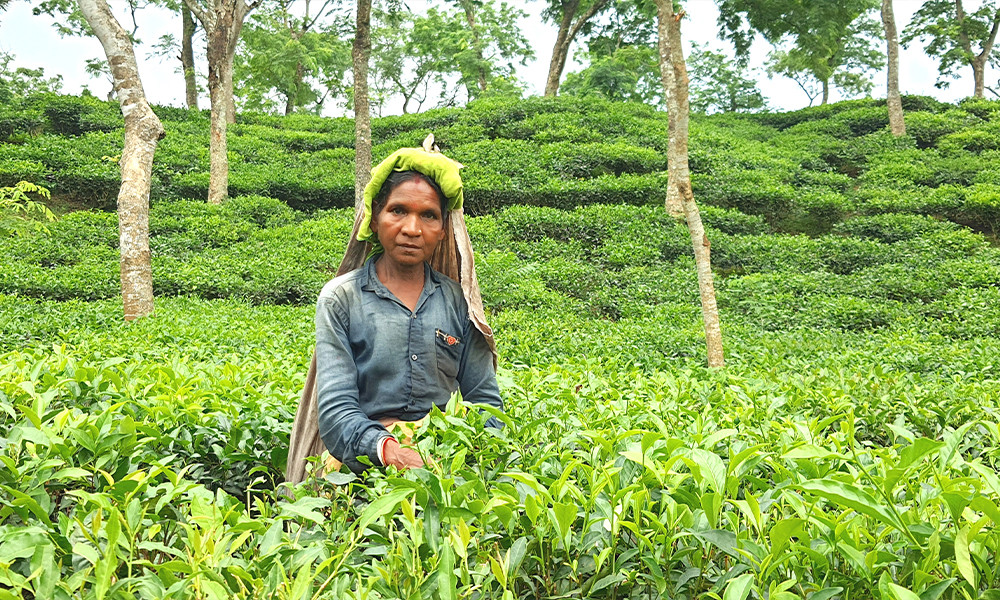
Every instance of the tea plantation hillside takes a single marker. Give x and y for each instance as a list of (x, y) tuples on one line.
[(848, 450)]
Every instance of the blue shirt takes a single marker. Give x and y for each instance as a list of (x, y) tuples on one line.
[(376, 359)]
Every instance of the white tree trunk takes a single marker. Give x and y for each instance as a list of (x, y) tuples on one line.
[(143, 131), (895, 103), (673, 71), (362, 117), (222, 21)]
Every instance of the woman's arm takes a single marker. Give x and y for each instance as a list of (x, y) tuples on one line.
[(346, 430)]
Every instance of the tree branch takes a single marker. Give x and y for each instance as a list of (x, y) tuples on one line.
[(988, 46), (963, 36), (319, 13), (202, 15), (132, 8), (595, 8)]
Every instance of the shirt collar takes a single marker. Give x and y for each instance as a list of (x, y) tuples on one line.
[(370, 282)]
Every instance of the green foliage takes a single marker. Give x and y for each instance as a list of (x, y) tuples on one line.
[(831, 43), (719, 84), (628, 74), (414, 52), (889, 228), (150, 464), (949, 38), (20, 82), (927, 128), (819, 167), (974, 139), (72, 115), (852, 430), (17, 205), (290, 62)]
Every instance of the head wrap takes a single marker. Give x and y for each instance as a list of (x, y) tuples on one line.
[(437, 166)]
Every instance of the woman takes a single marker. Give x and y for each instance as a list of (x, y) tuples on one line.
[(394, 337)]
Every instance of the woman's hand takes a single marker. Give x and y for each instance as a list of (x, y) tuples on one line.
[(402, 458)]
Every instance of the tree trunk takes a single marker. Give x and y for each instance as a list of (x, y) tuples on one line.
[(568, 29), (826, 92), (218, 183), (187, 58), (360, 53), (477, 42), (143, 131), (978, 62), (222, 22), (673, 71), (560, 49), (292, 99), (979, 76), (895, 103)]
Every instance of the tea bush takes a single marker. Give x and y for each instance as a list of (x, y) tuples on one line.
[(848, 449), (891, 227), (602, 463), (563, 153), (619, 450)]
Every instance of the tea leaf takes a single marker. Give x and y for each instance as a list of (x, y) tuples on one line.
[(901, 593), (825, 593), (739, 588), (305, 508), (382, 506), (962, 558), (811, 452), (852, 497), (607, 581), (934, 592), (446, 581)]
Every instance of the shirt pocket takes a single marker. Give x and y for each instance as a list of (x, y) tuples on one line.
[(449, 352)]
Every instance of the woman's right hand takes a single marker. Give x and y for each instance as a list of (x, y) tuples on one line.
[(402, 458)]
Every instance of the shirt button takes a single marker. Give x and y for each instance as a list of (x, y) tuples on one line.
[(414, 357), (414, 316)]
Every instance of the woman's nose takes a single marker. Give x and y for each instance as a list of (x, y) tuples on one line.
[(411, 225)]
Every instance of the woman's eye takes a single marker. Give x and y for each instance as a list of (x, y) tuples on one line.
[(430, 216), (398, 210)]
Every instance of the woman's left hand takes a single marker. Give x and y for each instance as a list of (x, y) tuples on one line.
[(399, 457)]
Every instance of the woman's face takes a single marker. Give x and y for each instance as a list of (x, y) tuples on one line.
[(410, 225)]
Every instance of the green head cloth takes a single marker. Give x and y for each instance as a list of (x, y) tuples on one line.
[(435, 165)]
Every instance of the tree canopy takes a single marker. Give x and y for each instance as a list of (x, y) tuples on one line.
[(719, 84), (291, 61), (436, 57), (833, 42), (957, 38)]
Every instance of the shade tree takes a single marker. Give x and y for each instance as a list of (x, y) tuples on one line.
[(143, 131), (182, 49), (895, 103), (675, 83), (957, 38), (833, 43), (720, 84), (222, 21), (628, 74), (23, 81), (572, 17), (361, 48), (621, 56), (294, 55), (437, 58)]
